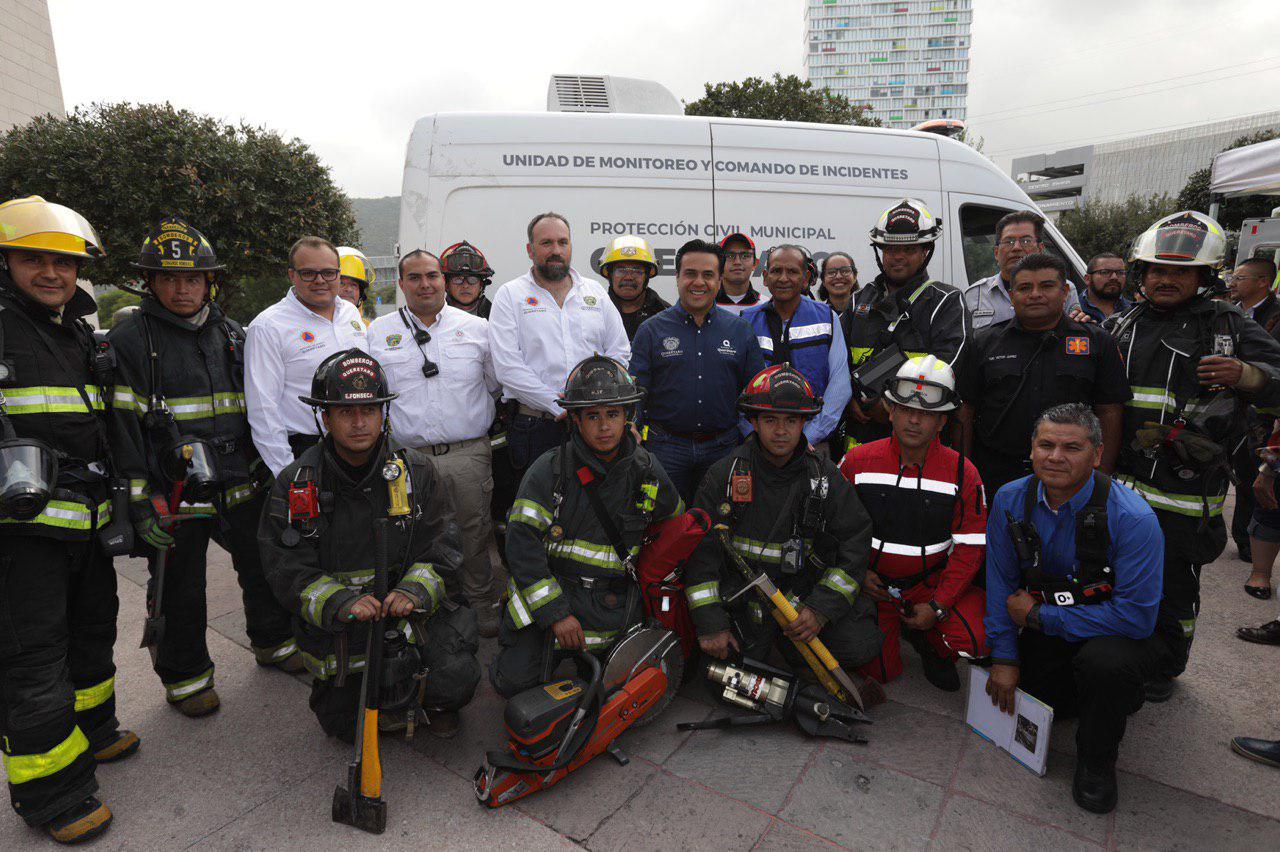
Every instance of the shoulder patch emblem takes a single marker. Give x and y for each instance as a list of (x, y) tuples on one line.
[(356, 325), (1077, 345)]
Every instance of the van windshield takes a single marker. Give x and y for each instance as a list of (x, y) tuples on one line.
[(978, 241)]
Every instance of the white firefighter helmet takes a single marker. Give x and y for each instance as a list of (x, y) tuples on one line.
[(906, 223), (1187, 238), (923, 382)]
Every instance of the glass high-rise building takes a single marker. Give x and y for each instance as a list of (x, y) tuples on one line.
[(908, 60)]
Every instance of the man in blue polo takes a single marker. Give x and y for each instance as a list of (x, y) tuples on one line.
[(1074, 580), (694, 359), (794, 329)]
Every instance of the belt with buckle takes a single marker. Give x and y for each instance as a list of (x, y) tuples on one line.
[(696, 437), (443, 449), (608, 584), (537, 413)]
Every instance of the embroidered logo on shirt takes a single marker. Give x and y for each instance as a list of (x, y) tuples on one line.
[(1077, 346), (589, 301), (308, 337), (393, 339), (532, 301), (670, 343), (356, 325)]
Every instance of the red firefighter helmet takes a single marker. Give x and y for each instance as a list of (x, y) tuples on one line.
[(780, 389)]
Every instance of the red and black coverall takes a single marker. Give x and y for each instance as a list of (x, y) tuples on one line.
[(928, 527)]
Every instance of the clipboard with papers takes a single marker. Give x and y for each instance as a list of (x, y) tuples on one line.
[(1024, 734)]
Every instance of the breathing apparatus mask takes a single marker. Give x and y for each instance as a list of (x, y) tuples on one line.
[(28, 473), (188, 462)]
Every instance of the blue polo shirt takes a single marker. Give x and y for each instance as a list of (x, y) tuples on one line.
[(1087, 305), (1136, 554), (693, 375)]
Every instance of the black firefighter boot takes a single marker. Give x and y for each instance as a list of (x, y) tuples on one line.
[(939, 672)]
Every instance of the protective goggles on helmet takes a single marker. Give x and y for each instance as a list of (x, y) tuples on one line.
[(921, 393), (28, 473)]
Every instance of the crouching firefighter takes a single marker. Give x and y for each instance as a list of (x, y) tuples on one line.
[(178, 420), (1194, 364), (318, 548), (62, 518), (1073, 587), (575, 530), (789, 519), (928, 526)]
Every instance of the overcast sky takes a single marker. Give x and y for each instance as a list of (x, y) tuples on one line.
[(350, 78)]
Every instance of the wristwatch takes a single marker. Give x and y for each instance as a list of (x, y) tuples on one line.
[(939, 613)]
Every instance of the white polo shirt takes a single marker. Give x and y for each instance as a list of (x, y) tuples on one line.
[(457, 403), (283, 347), (535, 342)]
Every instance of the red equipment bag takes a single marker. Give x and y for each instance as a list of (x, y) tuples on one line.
[(666, 548)]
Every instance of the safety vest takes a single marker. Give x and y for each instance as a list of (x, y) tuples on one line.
[(804, 341)]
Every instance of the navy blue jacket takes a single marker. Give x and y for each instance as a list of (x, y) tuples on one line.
[(694, 374), (1136, 553)]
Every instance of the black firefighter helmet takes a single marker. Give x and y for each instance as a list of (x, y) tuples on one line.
[(599, 380), (465, 259), (175, 245), (349, 377), (780, 389)]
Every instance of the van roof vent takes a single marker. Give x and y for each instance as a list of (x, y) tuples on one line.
[(604, 93), (579, 93)]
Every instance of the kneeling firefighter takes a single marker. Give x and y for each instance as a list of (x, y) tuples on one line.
[(318, 547), (575, 529), (62, 518), (1195, 364), (786, 521), (178, 420)]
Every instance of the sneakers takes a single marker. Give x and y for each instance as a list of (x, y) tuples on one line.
[(81, 822), (122, 744), (1094, 789), (939, 672), (203, 703)]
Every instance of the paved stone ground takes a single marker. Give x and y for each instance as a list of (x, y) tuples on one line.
[(259, 774)]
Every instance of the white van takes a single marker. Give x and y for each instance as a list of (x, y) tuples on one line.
[(482, 176)]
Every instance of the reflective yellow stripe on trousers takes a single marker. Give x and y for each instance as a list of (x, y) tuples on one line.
[(22, 768)]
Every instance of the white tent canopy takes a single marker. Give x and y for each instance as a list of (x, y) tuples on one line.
[(1251, 170)]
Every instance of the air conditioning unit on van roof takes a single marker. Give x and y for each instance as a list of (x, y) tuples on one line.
[(603, 93)]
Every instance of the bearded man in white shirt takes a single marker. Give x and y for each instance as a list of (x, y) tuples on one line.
[(541, 325), (284, 345), (436, 358)]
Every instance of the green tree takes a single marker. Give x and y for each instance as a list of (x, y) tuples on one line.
[(124, 166), (112, 301), (780, 99), (1195, 195), (1111, 226)]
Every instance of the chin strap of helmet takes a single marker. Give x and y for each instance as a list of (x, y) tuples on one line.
[(876, 248)]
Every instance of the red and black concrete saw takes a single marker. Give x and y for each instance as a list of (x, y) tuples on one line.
[(559, 727)]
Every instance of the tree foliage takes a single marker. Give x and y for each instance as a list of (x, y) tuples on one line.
[(124, 166), (1195, 195), (1111, 226), (780, 99)]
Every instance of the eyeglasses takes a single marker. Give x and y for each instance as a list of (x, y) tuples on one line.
[(740, 255), (1232, 279), (459, 280), (840, 272), (309, 276), (1107, 273), (1024, 242), (628, 271)]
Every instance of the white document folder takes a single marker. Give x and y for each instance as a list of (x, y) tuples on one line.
[(1024, 734)]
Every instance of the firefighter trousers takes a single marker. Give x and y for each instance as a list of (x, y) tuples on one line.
[(182, 659), (961, 632), (854, 640), (1186, 550), (449, 659), (58, 609)]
